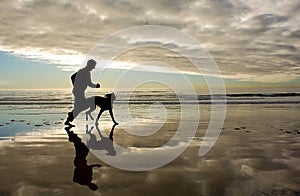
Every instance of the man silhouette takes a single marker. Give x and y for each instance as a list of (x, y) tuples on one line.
[(81, 80)]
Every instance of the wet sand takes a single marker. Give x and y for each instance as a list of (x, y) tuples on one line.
[(257, 153)]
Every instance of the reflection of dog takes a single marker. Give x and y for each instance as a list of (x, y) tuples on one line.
[(105, 103), (105, 143)]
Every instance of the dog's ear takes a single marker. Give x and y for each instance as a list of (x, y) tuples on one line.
[(113, 96)]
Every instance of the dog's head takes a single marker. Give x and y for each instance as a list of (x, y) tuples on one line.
[(111, 96)]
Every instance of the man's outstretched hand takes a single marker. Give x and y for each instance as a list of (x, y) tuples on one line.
[(97, 85), (95, 165)]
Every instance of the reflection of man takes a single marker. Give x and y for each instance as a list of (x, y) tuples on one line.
[(81, 80), (83, 173)]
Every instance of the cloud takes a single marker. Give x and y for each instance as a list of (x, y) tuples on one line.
[(256, 38)]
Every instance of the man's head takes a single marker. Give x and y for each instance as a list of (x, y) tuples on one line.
[(91, 64)]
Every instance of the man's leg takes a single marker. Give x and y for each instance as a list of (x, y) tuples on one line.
[(79, 100), (80, 104)]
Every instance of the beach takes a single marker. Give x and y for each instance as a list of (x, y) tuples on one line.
[(257, 153), (191, 98)]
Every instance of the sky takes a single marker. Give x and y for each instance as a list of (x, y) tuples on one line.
[(252, 42)]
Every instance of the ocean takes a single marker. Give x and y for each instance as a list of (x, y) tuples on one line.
[(37, 108)]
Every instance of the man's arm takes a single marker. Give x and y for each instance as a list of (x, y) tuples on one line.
[(95, 165), (91, 84)]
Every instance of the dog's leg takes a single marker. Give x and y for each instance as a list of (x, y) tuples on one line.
[(86, 116), (87, 129), (112, 116), (89, 113), (101, 111)]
